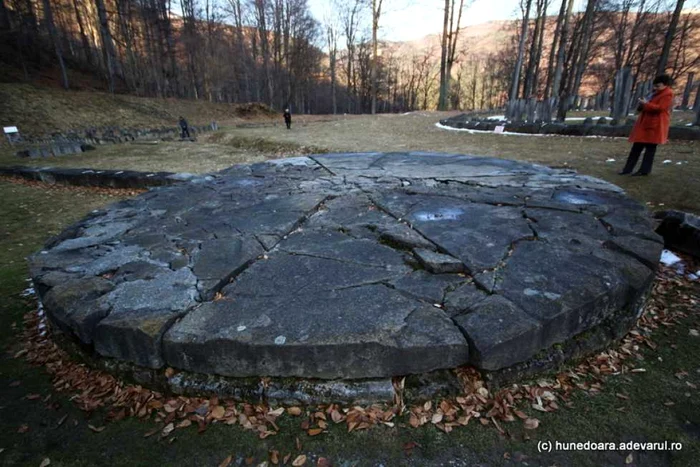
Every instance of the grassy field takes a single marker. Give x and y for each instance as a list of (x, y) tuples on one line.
[(671, 185), (39, 110), (655, 405)]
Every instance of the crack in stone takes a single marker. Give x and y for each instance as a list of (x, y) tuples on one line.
[(238, 271), (322, 166), (339, 260), (413, 192), (403, 222)]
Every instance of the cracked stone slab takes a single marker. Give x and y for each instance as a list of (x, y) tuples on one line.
[(318, 332), (437, 263), (499, 333), (351, 266)]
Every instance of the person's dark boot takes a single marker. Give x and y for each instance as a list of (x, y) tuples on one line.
[(639, 174), (625, 172)]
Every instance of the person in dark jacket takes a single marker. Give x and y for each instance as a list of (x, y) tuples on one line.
[(185, 128), (288, 118), (651, 127)]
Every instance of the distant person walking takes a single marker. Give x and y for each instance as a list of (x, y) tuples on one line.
[(651, 127), (288, 118), (185, 128)]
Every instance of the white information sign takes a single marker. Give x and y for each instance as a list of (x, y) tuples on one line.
[(499, 129), (10, 129)]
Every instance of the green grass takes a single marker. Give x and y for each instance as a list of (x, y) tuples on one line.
[(33, 213), (29, 214)]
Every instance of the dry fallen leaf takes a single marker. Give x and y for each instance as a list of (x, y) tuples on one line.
[(275, 457), (97, 429), (168, 429), (629, 459), (185, 423), (299, 461), (46, 462), (218, 412), (226, 462), (294, 411), (315, 431), (531, 424), (169, 372), (323, 462)]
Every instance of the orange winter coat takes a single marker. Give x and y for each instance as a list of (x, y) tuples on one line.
[(653, 123)]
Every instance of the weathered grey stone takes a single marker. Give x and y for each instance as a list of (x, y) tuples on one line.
[(463, 298), (428, 287), (321, 333), (646, 251), (499, 333), (402, 236), (134, 337), (350, 266), (680, 230), (566, 290), (218, 260), (437, 263), (73, 306)]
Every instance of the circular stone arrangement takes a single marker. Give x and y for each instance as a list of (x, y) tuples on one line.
[(353, 266)]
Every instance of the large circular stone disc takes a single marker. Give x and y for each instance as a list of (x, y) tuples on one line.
[(352, 266)]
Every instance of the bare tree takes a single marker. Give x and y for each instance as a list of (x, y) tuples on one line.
[(48, 17), (450, 33), (351, 18), (553, 51), (535, 55), (107, 43), (332, 32), (670, 35), (515, 85), (376, 14)]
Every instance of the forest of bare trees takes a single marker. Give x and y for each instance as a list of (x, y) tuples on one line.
[(561, 52), (609, 47)]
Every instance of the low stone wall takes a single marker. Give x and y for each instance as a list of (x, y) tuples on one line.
[(587, 128), (96, 178), (77, 141), (681, 231)]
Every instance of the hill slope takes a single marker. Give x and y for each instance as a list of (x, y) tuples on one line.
[(40, 110)]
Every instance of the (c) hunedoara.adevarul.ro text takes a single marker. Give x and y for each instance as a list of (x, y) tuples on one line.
[(549, 446)]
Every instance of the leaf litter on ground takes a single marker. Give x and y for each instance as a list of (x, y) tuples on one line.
[(93, 389)]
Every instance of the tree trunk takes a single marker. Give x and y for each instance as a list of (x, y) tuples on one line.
[(530, 86), (515, 85), (107, 44), (452, 45), (376, 13), (83, 37), (553, 51), (442, 99), (581, 62), (332, 35), (688, 89), (668, 41), (561, 53), (48, 17)]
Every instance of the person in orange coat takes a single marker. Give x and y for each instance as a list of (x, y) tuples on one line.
[(651, 127)]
